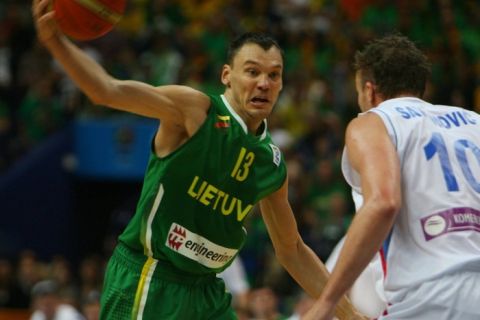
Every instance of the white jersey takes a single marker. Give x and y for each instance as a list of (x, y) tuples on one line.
[(437, 230), (366, 294)]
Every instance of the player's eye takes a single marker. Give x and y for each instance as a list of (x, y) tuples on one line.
[(252, 72), (274, 75)]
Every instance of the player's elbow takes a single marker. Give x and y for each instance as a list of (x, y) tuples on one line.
[(283, 256), (388, 204), (391, 207), (287, 252), (97, 99), (104, 94)]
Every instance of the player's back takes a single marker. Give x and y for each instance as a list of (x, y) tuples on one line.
[(438, 228)]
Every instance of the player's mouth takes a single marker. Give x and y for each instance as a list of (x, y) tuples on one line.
[(259, 101)]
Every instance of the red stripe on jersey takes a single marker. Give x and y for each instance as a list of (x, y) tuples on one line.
[(383, 260), (222, 125)]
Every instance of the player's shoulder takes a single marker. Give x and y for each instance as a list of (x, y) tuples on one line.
[(364, 121), (365, 128)]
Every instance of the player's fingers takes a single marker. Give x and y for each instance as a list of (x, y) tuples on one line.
[(41, 7), (46, 17), (34, 7)]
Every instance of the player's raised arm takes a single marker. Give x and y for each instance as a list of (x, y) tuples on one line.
[(172, 104)]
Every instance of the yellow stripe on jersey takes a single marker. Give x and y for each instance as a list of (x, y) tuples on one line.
[(142, 288), (223, 118)]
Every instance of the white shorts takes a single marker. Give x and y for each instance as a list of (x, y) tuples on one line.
[(366, 294), (451, 297)]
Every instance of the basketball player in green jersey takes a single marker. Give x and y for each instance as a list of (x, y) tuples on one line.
[(212, 160)]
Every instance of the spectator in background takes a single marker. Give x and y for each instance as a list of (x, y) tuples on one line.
[(337, 222), (48, 305), (237, 283), (41, 113), (302, 305), (264, 304), (28, 273), (91, 275), (60, 271), (91, 306), (11, 296), (162, 63)]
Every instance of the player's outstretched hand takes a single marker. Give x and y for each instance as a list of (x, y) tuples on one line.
[(44, 19)]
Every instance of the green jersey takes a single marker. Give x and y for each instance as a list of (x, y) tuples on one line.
[(194, 201)]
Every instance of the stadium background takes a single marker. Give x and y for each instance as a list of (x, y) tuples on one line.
[(70, 172)]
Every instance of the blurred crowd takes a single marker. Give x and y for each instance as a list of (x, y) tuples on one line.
[(184, 42)]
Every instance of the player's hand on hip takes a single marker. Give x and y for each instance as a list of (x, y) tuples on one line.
[(44, 19)]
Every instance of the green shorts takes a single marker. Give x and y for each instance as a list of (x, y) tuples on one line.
[(138, 287)]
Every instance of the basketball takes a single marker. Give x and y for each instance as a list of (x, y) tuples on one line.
[(87, 19)]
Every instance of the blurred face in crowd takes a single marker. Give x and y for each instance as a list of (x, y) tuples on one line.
[(254, 81), (263, 303), (47, 304), (91, 311)]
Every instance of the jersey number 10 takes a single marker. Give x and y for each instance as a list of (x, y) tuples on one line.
[(437, 145)]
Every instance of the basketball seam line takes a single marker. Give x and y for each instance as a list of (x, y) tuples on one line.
[(100, 10)]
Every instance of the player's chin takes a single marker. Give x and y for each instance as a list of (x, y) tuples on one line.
[(259, 113), (260, 108)]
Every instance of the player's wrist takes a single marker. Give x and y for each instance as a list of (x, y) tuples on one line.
[(53, 41)]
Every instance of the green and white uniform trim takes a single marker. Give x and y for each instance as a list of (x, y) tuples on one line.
[(194, 201)]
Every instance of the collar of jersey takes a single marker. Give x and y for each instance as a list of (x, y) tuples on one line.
[(240, 120), (394, 100)]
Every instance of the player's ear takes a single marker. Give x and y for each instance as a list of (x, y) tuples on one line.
[(226, 72), (370, 92)]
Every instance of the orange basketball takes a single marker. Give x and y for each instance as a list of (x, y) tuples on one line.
[(87, 19)]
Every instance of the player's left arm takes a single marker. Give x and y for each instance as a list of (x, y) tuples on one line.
[(297, 258), (373, 155)]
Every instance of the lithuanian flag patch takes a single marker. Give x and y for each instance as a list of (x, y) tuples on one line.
[(222, 121)]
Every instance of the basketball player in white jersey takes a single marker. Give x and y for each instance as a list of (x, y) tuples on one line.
[(414, 169)]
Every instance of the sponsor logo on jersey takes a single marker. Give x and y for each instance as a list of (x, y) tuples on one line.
[(222, 122), (451, 220), (277, 155), (176, 237), (198, 248), (218, 200)]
